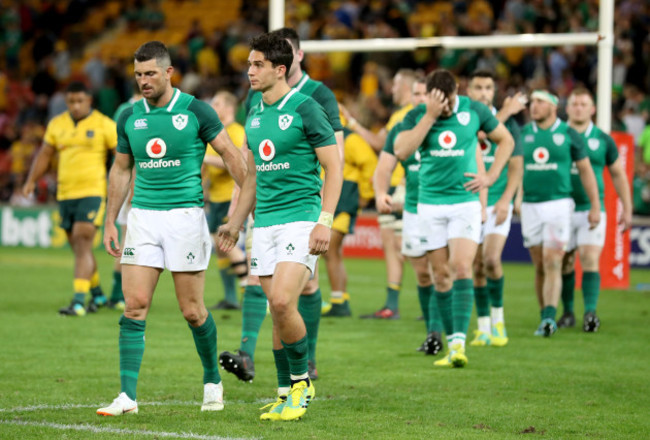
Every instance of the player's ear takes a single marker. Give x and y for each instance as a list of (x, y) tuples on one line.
[(169, 71), (301, 55)]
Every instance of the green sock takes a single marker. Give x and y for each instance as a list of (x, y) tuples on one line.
[(96, 291), (79, 298), (309, 307), (444, 300), (282, 368), (254, 307), (568, 287), (590, 290), (495, 291), (549, 312), (131, 343), (392, 296), (482, 301), (463, 302), (297, 354), (435, 322), (229, 285), (424, 296), (116, 291), (205, 339)]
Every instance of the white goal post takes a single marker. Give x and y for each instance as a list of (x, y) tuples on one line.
[(604, 39)]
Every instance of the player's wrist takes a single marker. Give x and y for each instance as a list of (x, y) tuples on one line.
[(326, 219)]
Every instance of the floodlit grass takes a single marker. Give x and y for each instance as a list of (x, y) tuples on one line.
[(55, 371)]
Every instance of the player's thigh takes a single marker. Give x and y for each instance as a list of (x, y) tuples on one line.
[(532, 226), (138, 285), (422, 270), (186, 240), (189, 287), (461, 256), (492, 248), (143, 243), (289, 279), (433, 221), (590, 257)]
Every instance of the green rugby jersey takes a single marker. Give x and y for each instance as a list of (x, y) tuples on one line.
[(449, 150), (283, 137), (602, 151), (411, 170), (488, 148), (167, 144), (307, 86), (548, 155)]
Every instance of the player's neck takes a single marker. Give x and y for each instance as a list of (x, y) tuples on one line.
[(271, 95), (547, 123), (580, 127), (295, 78), (163, 99)]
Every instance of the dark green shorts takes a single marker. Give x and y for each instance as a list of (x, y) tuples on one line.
[(218, 215), (87, 209)]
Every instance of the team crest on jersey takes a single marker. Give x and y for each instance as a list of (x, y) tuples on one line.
[(447, 139), (267, 150), (540, 155), (417, 155), (156, 148), (180, 121), (593, 144), (558, 138), (284, 121), (463, 118)]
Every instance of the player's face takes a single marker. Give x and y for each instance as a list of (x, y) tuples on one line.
[(451, 103), (78, 104), (220, 106), (297, 58), (419, 95), (580, 108), (481, 90), (152, 79), (400, 88), (261, 73), (541, 110)]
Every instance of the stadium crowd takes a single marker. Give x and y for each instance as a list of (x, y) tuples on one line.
[(44, 45)]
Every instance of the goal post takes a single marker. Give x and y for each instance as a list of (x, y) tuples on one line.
[(604, 39)]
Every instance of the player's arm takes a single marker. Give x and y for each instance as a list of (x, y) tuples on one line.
[(340, 145), (119, 182), (214, 161), (622, 187), (232, 157), (511, 106), (588, 180), (228, 234), (515, 174), (39, 167), (381, 181), (410, 139), (505, 145), (483, 193), (375, 140), (329, 159)]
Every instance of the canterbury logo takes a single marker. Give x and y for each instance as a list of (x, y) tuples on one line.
[(140, 124)]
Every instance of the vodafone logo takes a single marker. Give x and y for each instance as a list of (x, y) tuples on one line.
[(156, 148), (540, 155), (447, 139), (267, 150)]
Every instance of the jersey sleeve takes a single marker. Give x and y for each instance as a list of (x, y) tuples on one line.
[(50, 133), (209, 124), (411, 119), (325, 97), (578, 147), (367, 160), (487, 121), (316, 124), (123, 144), (611, 150), (110, 133), (389, 145), (515, 131)]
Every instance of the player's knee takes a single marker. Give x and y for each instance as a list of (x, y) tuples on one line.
[(552, 263), (492, 264), (423, 276), (462, 270), (279, 304), (135, 307), (194, 316), (590, 262)]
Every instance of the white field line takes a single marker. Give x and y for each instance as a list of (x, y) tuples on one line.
[(106, 429)]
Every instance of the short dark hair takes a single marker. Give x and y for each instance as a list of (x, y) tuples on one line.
[(442, 80), (288, 34), (77, 87), (275, 49), (482, 73), (153, 50)]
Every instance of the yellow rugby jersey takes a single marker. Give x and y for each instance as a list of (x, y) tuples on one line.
[(221, 183), (396, 118), (83, 149), (360, 164)]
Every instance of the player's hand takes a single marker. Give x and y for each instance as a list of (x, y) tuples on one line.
[(227, 236), (482, 136), (625, 222), (500, 211), (384, 204), (319, 239), (479, 181), (514, 104), (594, 218), (28, 188), (436, 102), (516, 207), (111, 240)]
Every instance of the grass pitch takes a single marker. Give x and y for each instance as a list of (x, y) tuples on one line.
[(55, 371)]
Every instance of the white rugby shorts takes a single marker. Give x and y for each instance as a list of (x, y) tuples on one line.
[(490, 227), (440, 223), (280, 243), (177, 239), (581, 235), (412, 238), (547, 223)]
